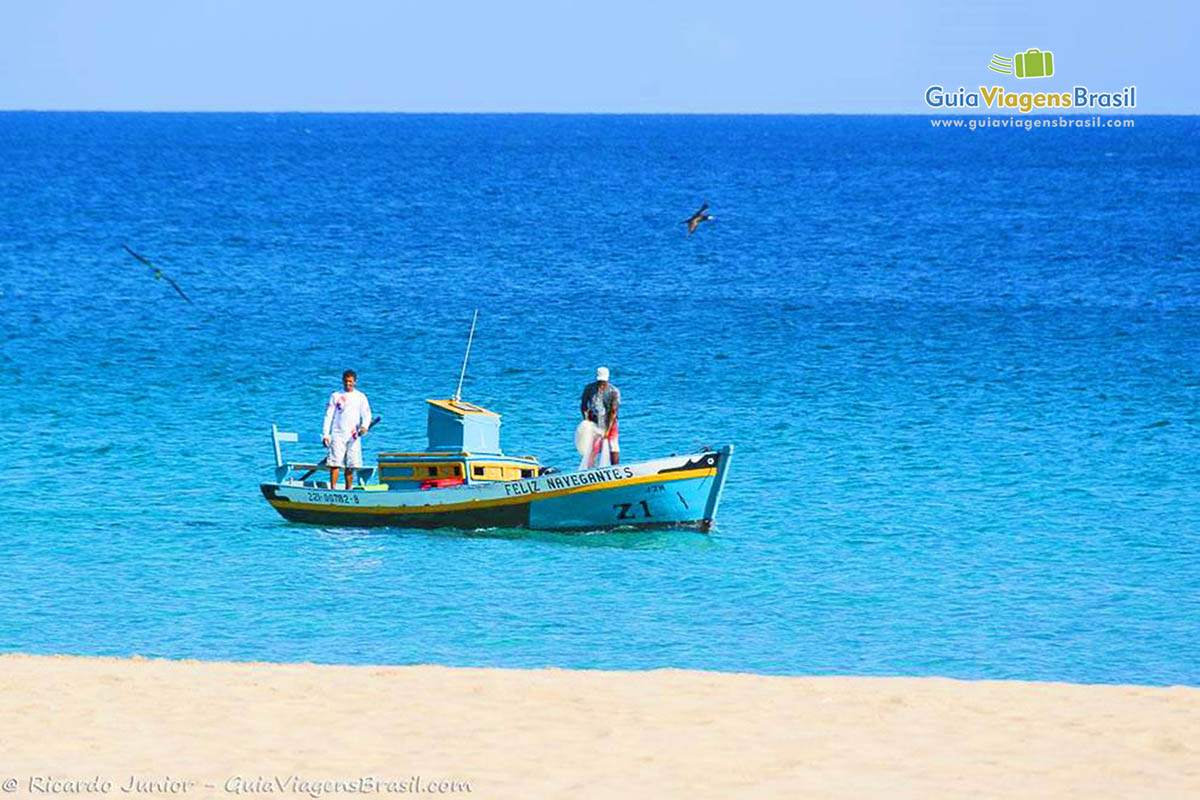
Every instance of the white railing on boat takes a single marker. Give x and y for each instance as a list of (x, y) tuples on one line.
[(283, 469)]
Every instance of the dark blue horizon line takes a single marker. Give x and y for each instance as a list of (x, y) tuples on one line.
[(942, 115)]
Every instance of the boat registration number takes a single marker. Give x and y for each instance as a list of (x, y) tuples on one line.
[(339, 499)]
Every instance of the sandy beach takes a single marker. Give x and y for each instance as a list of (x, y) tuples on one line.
[(71, 725)]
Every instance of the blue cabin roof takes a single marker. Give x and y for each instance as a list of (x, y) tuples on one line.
[(455, 427)]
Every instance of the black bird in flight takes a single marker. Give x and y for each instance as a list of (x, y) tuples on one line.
[(694, 220), (158, 273)]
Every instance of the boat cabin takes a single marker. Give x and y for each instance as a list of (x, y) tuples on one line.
[(463, 447)]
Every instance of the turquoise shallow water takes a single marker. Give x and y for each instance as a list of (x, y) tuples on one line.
[(960, 372)]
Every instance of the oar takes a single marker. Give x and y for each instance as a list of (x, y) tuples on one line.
[(324, 461)]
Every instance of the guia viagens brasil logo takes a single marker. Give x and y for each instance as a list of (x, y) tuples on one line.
[(1032, 63)]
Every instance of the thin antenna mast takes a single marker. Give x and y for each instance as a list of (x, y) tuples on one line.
[(458, 392)]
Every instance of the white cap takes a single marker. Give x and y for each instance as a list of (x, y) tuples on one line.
[(601, 373)]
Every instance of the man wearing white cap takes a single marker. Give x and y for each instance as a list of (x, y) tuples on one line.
[(599, 403)]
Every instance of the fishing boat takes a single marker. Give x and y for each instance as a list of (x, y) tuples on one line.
[(462, 479)]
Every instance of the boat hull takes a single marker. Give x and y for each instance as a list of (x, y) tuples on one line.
[(668, 492)]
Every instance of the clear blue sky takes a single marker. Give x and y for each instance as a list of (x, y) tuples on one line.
[(849, 56)]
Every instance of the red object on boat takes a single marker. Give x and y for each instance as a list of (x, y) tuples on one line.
[(440, 483)]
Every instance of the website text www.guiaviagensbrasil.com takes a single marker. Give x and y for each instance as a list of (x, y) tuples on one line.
[(1027, 124)]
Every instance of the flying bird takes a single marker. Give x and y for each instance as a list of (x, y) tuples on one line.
[(158, 273), (694, 220)]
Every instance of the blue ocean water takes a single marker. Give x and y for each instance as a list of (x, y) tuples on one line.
[(960, 370)]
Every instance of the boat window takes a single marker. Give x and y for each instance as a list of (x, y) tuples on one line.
[(526, 473), (433, 471), (478, 472), (457, 471)]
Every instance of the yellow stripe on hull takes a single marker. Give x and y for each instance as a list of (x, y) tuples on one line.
[(439, 508)]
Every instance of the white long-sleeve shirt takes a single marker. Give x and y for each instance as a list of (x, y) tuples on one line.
[(346, 413)]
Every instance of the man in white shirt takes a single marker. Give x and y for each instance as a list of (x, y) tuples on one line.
[(347, 418)]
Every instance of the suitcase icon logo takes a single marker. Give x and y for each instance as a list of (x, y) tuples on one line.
[(1033, 63)]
